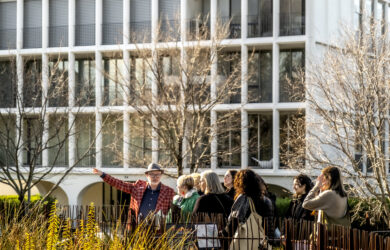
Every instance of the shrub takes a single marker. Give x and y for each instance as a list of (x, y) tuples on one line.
[(282, 205)]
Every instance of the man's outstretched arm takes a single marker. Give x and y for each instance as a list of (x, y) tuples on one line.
[(112, 181)]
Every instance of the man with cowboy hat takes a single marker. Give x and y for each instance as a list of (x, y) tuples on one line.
[(146, 197)]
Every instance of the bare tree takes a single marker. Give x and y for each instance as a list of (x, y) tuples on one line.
[(171, 98), (347, 116), (34, 124)]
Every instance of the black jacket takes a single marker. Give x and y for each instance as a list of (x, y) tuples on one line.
[(241, 212), (213, 203), (231, 192), (296, 211)]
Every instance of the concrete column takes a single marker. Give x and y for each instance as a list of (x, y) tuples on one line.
[(244, 19), (275, 19), (126, 115), (72, 23), (71, 104), (45, 24), (213, 18), (183, 58), (214, 142), (275, 138), (213, 88), (155, 17), (126, 21), (244, 100), (155, 20), (19, 24), (99, 22), (98, 94), (183, 19), (19, 106), (387, 144), (275, 100), (45, 105)]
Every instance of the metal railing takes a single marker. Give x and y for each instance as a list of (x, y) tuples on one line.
[(112, 33), (85, 34), (140, 32), (7, 39), (234, 30), (32, 37), (292, 24), (58, 36), (260, 25)]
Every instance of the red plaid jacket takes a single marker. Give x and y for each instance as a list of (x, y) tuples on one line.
[(137, 189)]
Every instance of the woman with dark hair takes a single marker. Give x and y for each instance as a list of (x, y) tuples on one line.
[(248, 189), (302, 186), (329, 198), (228, 182)]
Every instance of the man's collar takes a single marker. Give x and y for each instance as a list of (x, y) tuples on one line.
[(157, 189)]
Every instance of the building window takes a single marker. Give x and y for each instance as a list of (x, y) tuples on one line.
[(112, 26), (292, 139), (230, 11), (113, 82), (199, 23), (112, 140), (229, 69), (32, 139), (8, 146), (141, 81), (291, 73), (260, 82), (260, 18), (58, 91), (7, 25), (58, 21), (85, 138), (229, 139), (169, 14), (85, 82), (32, 88), (260, 140), (32, 24), (140, 142), (292, 17), (8, 84), (85, 23), (58, 140), (140, 16)]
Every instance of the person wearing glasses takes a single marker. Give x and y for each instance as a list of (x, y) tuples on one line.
[(146, 196)]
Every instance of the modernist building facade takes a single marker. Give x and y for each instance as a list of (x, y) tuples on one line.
[(284, 34)]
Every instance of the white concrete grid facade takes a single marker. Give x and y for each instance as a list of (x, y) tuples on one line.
[(319, 21)]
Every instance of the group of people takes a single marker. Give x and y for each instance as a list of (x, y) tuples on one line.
[(204, 193)]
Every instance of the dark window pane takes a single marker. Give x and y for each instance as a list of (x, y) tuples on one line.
[(260, 82), (291, 65), (260, 140)]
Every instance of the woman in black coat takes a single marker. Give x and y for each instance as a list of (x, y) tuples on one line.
[(302, 186), (214, 200), (248, 186)]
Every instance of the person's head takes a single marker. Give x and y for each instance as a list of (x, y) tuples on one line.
[(331, 180), (209, 183), (263, 185), (247, 182), (196, 177), (184, 184), (228, 179), (302, 184), (154, 173)]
